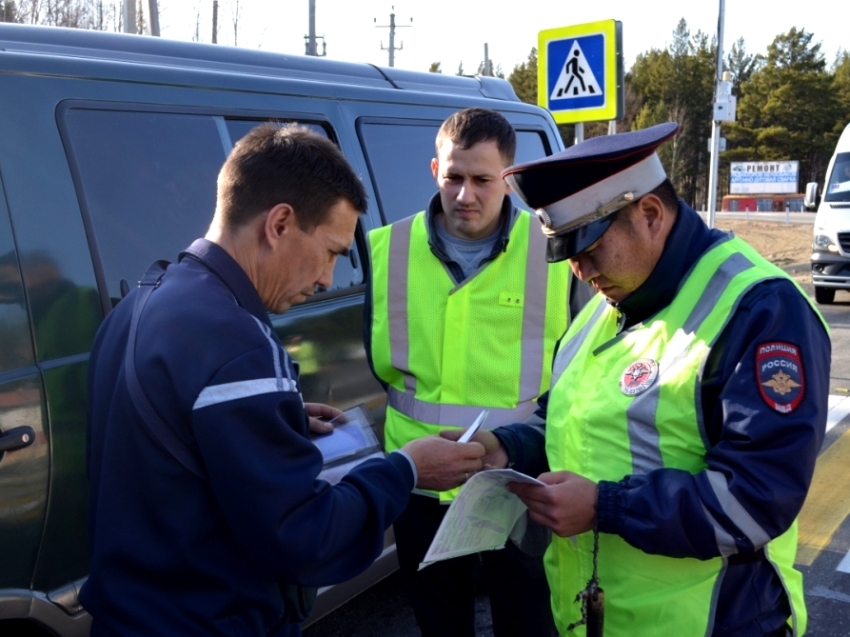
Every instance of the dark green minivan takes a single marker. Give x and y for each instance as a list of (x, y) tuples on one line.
[(109, 149)]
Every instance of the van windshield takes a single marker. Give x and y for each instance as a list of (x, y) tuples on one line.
[(838, 186)]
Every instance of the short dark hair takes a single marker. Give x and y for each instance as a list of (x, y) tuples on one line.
[(290, 164), (666, 192), (474, 125)]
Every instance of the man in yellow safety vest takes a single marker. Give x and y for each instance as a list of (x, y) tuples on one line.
[(687, 406), (463, 315)]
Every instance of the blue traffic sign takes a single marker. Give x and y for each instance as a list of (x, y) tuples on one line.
[(580, 72), (576, 73)]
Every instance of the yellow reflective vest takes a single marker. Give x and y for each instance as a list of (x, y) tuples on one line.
[(446, 351), (604, 427)]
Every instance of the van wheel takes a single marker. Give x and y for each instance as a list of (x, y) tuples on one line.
[(824, 296)]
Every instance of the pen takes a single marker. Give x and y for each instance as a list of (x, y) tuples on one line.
[(470, 431)]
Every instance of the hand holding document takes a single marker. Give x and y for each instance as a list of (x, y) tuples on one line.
[(482, 517)]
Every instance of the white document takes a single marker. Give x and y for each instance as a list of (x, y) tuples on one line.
[(481, 517)]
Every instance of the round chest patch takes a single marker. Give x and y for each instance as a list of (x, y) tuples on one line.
[(639, 376)]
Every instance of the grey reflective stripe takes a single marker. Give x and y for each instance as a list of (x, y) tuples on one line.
[(642, 412), (568, 352), (725, 542), (534, 316), (455, 415), (216, 394), (535, 421), (735, 511), (731, 267), (275, 355), (643, 433), (397, 299)]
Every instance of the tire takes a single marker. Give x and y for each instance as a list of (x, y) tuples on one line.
[(824, 296)]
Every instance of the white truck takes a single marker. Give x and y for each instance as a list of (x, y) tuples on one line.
[(831, 240)]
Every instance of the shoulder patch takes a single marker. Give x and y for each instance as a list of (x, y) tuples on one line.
[(780, 377)]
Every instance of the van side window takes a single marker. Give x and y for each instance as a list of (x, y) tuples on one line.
[(530, 145), (394, 148), (838, 187), (399, 155), (147, 181)]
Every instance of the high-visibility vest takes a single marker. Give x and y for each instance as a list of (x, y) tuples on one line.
[(594, 428), (446, 350)]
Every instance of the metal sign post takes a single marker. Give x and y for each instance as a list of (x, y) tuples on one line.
[(724, 111)]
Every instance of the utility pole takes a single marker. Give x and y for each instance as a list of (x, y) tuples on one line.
[(215, 22), (723, 111), (487, 70), (310, 44), (130, 16), (392, 27), (153, 18)]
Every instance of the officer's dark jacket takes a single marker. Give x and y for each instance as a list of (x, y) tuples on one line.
[(768, 458), (174, 554)]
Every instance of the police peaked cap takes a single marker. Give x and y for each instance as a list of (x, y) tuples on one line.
[(576, 191)]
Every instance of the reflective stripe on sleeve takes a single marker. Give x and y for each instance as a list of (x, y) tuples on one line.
[(216, 394), (725, 542), (735, 511)]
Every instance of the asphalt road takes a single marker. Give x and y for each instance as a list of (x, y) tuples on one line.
[(824, 555)]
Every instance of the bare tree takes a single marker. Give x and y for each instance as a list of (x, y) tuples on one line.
[(234, 15), (8, 11), (141, 23), (197, 36), (78, 14)]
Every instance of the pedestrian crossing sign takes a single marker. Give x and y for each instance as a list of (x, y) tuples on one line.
[(580, 70)]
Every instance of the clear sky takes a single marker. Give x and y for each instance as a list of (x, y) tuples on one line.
[(455, 31)]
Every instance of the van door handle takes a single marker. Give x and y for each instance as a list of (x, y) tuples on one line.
[(16, 438)]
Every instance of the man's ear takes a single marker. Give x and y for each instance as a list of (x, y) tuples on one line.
[(279, 221), (435, 167), (652, 214)]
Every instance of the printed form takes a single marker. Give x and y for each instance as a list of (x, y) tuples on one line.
[(481, 518)]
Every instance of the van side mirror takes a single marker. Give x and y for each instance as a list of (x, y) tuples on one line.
[(811, 200)]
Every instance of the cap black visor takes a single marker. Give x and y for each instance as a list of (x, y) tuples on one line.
[(568, 245)]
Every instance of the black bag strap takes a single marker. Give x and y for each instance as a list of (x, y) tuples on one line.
[(154, 423)]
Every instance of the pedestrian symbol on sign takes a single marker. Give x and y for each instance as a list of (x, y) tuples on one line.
[(576, 78)]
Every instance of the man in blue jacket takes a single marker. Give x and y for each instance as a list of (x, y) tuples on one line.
[(206, 515), (687, 407)]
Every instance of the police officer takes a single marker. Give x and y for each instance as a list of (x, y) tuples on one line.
[(687, 407), (206, 514), (463, 315)]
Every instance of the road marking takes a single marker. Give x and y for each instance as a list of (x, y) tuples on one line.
[(826, 506), (839, 407), (844, 566), (823, 591)]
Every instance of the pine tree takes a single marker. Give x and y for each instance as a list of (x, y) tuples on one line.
[(789, 108)]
